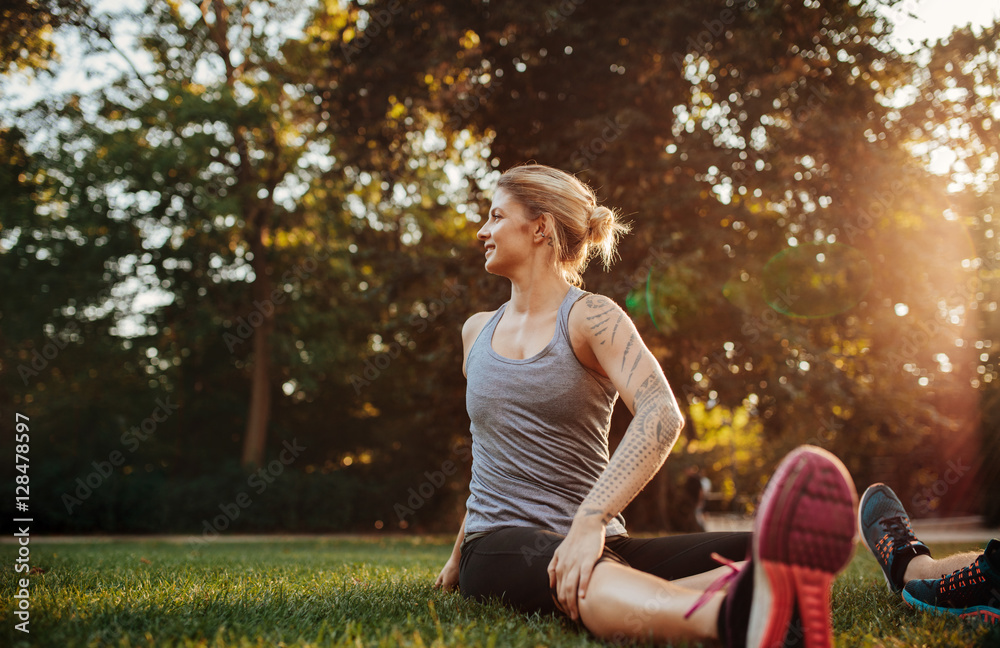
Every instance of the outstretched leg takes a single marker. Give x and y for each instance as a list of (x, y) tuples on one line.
[(923, 567), (623, 603), (964, 584), (885, 527), (970, 592), (803, 536)]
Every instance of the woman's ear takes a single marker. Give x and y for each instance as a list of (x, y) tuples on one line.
[(543, 228)]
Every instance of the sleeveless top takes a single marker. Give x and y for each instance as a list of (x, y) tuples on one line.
[(539, 432)]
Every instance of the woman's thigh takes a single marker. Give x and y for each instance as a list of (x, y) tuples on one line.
[(510, 564), (680, 556)]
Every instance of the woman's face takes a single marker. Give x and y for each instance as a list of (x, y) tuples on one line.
[(506, 234)]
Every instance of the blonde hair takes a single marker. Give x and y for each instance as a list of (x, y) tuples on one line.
[(582, 228)]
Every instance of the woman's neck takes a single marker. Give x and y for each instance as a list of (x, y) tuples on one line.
[(540, 294)]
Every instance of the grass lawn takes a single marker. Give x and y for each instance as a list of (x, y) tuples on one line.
[(345, 592)]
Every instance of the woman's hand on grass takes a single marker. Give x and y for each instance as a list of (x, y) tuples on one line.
[(448, 578), (573, 563)]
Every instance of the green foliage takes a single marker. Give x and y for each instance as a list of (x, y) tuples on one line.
[(146, 498), (731, 134), (274, 228)]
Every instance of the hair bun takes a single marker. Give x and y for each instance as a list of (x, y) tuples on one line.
[(603, 230), (600, 219)]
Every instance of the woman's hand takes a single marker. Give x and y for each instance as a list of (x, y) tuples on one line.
[(573, 563), (448, 578)]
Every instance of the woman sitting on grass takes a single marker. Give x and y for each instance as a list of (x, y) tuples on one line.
[(543, 529)]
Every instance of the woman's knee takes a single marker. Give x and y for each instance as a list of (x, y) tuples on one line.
[(600, 609)]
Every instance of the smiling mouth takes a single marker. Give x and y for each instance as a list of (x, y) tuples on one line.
[(490, 248)]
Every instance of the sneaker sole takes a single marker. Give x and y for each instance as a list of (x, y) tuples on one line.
[(804, 534), (871, 550), (981, 613)]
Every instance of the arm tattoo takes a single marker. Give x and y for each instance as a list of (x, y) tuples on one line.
[(628, 347), (645, 446), (602, 318), (632, 370), (592, 511), (652, 432)]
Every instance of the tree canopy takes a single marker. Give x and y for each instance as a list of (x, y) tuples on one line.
[(267, 222)]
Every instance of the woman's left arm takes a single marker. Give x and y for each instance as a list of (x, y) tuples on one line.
[(606, 339)]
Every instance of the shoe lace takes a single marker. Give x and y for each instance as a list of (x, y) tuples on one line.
[(964, 576), (899, 528), (720, 583)]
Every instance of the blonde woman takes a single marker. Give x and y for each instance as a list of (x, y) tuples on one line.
[(543, 529)]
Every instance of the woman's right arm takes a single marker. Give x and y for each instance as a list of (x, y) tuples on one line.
[(448, 578)]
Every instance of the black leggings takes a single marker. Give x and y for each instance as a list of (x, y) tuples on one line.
[(511, 564)]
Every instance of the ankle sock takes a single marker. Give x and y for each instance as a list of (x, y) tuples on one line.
[(902, 560), (992, 553)]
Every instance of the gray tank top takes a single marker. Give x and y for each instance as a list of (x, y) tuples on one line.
[(539, 432)]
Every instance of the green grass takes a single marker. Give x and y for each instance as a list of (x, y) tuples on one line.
[(344, 592)]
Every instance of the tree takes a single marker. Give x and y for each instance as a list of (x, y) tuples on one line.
[(730, 132), (275, 230), (949, 121)]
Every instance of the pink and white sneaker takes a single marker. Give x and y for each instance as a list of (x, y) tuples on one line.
[(804, 534)]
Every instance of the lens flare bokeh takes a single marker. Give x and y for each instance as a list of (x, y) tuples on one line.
[(816, 279)]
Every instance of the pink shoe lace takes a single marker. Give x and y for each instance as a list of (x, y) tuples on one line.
[(721, 583)]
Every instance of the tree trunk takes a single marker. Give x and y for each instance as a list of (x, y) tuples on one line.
[(260, 393)]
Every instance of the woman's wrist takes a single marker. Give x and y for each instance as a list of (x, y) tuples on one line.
[(589, 518)]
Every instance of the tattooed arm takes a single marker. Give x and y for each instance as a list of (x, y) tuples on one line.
[(606, 341), (621, 355)]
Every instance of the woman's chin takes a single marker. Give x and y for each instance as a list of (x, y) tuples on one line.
[(492, 268)]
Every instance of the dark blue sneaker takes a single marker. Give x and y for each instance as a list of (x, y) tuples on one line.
[(885, 527), (972, 592)]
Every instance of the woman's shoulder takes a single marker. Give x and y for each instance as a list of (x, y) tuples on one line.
[(470, 331), (591, 308), (474, 326)]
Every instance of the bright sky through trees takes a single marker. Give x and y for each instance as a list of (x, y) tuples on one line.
[(916, 21)]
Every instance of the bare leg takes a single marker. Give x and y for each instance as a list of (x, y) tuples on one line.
[(926, 567), (624, 603)]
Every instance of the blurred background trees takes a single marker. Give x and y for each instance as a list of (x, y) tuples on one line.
[(266, 223)]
